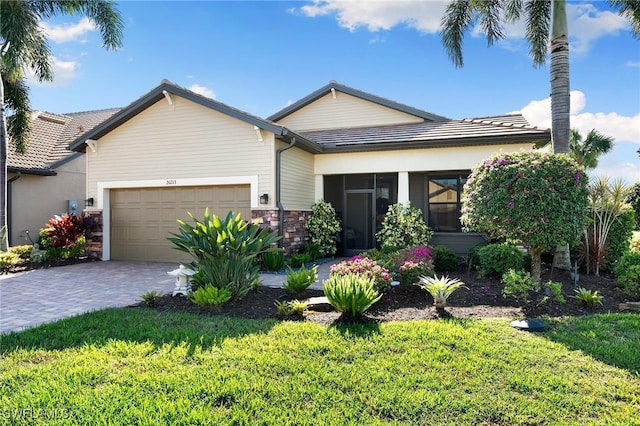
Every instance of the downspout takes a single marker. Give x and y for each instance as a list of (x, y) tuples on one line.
[(10, 205), (279, 152)]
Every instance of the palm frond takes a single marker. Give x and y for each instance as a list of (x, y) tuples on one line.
[(538, 25), (19, 123), (630, 9), (456, 21), (490, 12)]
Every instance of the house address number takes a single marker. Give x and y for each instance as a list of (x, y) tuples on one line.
[(172, 181)]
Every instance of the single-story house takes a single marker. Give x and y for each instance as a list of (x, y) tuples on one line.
[(48, 179), (173, 151)]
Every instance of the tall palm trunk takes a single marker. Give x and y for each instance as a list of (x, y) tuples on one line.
[(4, 232), (560, 101)]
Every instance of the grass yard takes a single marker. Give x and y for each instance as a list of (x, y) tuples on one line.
[(140, 366)]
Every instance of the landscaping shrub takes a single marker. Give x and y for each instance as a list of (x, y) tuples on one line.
[(410, 264), (496, 259), (618, 241), (627, 272), (529, 197), (323, 228), (300, 280), (273, 260), (365, 267), (8, 260), (151, 297), (445, 259), (210, 296), (555, 291), (23, 252), (314, 251), (403, 226), (299, 259), (474, 256), (295, 308), (63, 237), (351, 293), (440, 288), (633, 198), (225, 251), (518, 283)]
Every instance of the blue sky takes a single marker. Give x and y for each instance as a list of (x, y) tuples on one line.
[(261, 56)]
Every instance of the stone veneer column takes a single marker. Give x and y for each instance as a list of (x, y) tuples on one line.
[(93, 245), (295, 231)]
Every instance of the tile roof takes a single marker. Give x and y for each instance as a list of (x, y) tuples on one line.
[(51, 135), (468, 131)]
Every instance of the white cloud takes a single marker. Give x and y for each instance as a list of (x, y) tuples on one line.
[(623, 161), (68, 32), (380, 15), (586, 23), (63, 73), (202, 90), (633, 64)]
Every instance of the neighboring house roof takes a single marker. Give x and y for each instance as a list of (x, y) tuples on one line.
[(353, 92), (468, 131), (49, 141), (166, 88)]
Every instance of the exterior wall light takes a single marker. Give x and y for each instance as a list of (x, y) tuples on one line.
[(88, 202), (264, 199)]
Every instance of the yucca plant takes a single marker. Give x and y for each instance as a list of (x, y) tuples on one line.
[(440, 288), (587, 298), (300, 280), (351, 294)]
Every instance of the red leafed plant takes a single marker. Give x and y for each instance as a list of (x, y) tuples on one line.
[(63, 231)]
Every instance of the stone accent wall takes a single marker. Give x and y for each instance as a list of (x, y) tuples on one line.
[(295, 233), (94, 233)]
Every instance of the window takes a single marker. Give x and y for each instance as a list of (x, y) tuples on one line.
[(444, 202)]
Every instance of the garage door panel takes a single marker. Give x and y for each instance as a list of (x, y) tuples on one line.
[(143, 218)]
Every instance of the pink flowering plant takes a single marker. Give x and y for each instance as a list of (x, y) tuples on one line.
[(365, 267), (410, 264)]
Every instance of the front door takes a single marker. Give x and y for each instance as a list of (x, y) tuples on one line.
[(359, 230)]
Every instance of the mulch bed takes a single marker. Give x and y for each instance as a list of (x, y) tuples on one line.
[(482, 298)]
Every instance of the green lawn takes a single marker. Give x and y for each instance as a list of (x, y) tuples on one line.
[(139, 366)]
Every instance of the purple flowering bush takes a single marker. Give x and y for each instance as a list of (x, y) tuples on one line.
[(529, 197), (410, 264), (366, 267)]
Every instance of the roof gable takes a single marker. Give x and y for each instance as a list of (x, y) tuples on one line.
[(166, 89), (334, 86)]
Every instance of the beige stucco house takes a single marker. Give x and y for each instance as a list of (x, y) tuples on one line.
[(173, 151), (48, 179)]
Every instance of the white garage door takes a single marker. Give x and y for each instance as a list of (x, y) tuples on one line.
[(143, 218)]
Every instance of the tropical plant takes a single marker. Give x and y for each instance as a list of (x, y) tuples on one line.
[(273, 260), (24, 45), (530, 197), (633, 198), (606, 203), (586, 152), (8, 260), (619, 239), (151, 297), (518, 284), (300, 280), (63, 237), (291, 308), (23, 251), (323, 227), (351, 294), (440, 288), (299, 259), (403, 226), (587, 298), (627, 272), (225, 251), (498, 258), (210, 296), (365, 267), (445, 259)]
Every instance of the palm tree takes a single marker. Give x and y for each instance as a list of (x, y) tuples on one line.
[(541, 16), (23, 45), (587, 151)]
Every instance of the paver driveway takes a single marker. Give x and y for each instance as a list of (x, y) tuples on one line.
[(44, 295)]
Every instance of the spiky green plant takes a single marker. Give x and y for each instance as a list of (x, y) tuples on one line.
[(440, 288), (587, 298), (210, 296), (351, 294), (150, 298), (300, 280)]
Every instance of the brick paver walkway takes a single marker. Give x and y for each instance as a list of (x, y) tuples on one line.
[(44, 295)]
